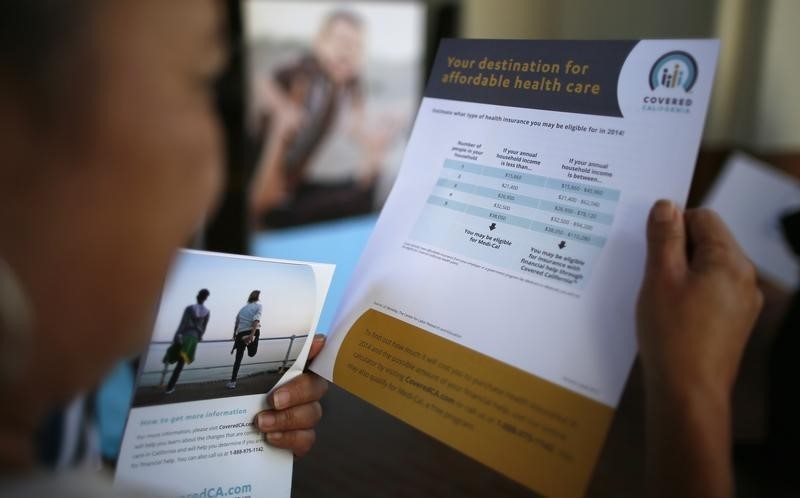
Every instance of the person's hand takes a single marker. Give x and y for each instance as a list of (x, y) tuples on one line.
[(697, 304), (297, 409), (375, 141), (288, 118)]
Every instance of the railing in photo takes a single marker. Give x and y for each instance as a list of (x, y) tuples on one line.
[(285, 363)]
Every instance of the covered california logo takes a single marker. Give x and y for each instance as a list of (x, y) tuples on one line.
[(672, 72), (675, 70)]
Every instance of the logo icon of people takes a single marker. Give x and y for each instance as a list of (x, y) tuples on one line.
[(674, 70)]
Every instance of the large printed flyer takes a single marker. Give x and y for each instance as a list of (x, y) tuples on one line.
[(228, 330), (493, 307)]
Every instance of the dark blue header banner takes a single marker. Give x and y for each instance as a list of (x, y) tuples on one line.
[(566, 76)]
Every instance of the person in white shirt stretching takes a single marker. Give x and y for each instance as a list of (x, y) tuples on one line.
[(245, 333)]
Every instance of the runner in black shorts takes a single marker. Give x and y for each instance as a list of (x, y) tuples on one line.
[(246, 332)]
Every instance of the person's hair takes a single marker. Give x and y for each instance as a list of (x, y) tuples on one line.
[(343, 15), (254, 296), (202, 295), (34, 38)]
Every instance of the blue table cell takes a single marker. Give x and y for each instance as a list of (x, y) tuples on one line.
[(447, 203), (567, 233), (537, 226), (462, 166), (551, 230), (524, 200), (514, 176), (583, 189), (593, 240), (486, 192), (493, 172), (519, 221), (495, 216), (455, 185), (506, 196), (577, 212)]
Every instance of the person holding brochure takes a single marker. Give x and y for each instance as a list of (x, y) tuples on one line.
[(190, 331), (246, 331), (94, 182), (109, 191), (532, 177)]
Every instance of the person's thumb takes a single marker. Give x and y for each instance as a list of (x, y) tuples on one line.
[(316, 346), (666, 241)]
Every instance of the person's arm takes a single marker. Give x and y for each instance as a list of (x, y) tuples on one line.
[(253, 329), (256, 324), (697, 306), (205, 325), (268, 187), (373, 139), (185, 318), (296, 410)]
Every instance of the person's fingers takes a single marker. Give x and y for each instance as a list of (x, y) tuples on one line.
[(712, 243), (300, 442), (302, 389), (666, 240), (299, 417), (715, 248), (316, 346)]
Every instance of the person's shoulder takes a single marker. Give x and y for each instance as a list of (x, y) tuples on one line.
[(77, 484), (306, 66)]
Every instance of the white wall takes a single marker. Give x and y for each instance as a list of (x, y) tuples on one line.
[(587, 19), (757, 95), (777, 116)]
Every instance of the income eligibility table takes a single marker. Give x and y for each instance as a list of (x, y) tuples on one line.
[(547, 229)]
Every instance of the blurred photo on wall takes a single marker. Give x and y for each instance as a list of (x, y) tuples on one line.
[(333, 89)]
